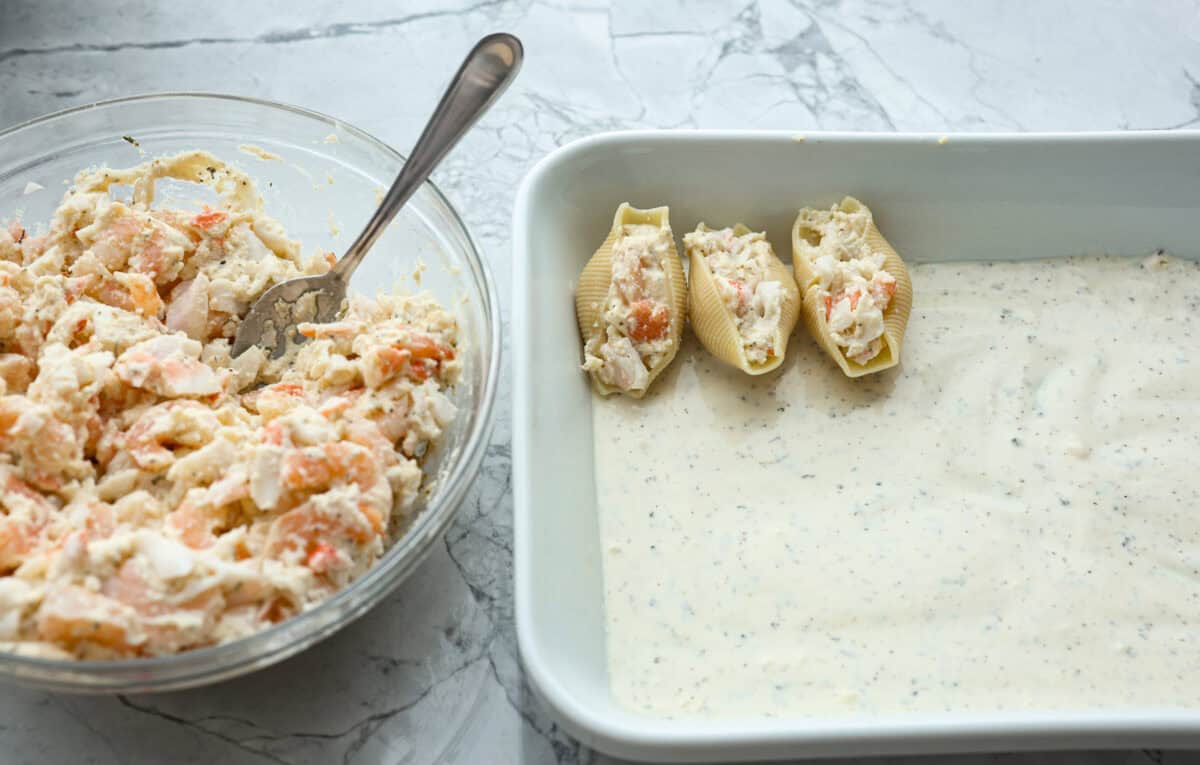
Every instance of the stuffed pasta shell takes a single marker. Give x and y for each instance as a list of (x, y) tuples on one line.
[(742, 301), (856, 291), (631, 303)]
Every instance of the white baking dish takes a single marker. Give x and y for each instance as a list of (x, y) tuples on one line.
[(961, 197)]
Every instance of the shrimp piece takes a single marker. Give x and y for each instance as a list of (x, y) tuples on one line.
[(79, 619), (335, 405), (111, 236), (26, 513), (274, 433), (135, 293), (650, 321), (382, 364), (10, 411), (316, 468), (883, 289), (46, 447), (100, 522), (208, 513), (371, 434), (105, 327), (168, 366), (128, 586), (418, 357), (150, 258), (123, 239), (316, 537), (333, 466), (395, 423), (177, 220), (850, 296), (161, 428), (90, 522), (143, 294), (131, 292), (425, 347), (76, 287), (199, 603)]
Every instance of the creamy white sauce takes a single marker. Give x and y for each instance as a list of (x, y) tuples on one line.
[(1010, 520)]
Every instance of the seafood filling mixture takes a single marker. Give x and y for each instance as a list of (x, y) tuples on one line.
[(636, 314), (159, 495), (854, 286), (740, 265)]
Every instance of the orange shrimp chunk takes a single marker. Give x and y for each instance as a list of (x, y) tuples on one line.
[(204, 515), (197, 525), (883, 291), (72, 616), (391, 360), (16, 541), (307, 530), (423, 347), (650, 321), (143, 295), (316, 467), (208, 218)]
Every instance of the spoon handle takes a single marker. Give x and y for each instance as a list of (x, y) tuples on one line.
[(485, 73)]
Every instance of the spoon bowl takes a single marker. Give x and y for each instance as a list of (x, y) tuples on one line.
[(272, 322), (485, 73)]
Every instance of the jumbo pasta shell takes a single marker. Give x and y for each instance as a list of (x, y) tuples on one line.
[(895, 318), (715, 325), (592, 290)]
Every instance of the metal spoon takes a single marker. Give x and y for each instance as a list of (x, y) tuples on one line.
[(485, 73)]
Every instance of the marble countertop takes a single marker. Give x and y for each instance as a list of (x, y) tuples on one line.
[(432, 675)]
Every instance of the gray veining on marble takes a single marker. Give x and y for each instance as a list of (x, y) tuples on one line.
[(432, 674)]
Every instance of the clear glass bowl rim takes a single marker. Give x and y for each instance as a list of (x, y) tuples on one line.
[(212, 664)]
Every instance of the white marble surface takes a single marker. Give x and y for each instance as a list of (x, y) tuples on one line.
[(432, 675)]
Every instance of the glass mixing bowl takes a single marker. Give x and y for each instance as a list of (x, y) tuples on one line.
[(323, 187)]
